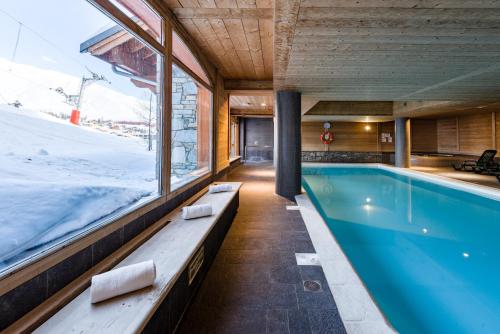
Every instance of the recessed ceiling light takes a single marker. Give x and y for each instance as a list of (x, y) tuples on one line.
[(263, 104), (368, 128)]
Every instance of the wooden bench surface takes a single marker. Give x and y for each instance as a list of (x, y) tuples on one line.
[(171, 249)]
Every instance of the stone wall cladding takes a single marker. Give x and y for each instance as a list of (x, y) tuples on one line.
[(347, 157), (184, 123)]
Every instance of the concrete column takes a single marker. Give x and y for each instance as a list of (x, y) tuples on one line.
[(403, 142), (288, 170)]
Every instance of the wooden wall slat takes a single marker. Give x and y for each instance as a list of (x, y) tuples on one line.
[(222, 126), (447, 135), (467, 134), (475, 133), (348, 136), (424, 135)]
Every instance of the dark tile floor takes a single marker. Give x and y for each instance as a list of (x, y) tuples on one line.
[(255, 284)]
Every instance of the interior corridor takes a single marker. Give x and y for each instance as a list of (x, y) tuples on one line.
[(255, 284)]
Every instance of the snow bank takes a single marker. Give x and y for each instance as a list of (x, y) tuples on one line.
[(57, 178)]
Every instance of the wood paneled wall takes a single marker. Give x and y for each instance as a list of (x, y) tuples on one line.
[(423, 135), (475, 133), (348, 136), (351, 136), (221, 132), (468, 134), (447, 135)]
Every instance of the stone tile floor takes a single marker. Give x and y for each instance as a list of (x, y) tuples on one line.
[(255, 284), (484, 180)]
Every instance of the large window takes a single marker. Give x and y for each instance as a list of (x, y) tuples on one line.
[(79, 123), (191, 128), (191, 141)]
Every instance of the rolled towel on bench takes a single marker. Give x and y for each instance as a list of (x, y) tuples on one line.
[(196, 211), (122, 280), (217, 188)]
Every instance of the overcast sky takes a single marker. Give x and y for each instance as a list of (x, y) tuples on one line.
[(60, 27)]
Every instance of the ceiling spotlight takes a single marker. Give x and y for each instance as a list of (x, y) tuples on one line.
[(263, 104), (368, 128)]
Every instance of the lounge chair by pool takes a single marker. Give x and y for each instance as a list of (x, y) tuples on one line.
[(484, 163)]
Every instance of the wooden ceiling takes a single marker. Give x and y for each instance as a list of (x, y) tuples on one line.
[(388, 50), (251, 102), (236, 34), (244, 105)]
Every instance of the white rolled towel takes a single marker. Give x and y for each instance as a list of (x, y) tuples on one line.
[(217, 188), (196, 211), (122, 280)]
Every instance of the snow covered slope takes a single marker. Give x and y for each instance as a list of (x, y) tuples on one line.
[(56, 178), (34, 88)]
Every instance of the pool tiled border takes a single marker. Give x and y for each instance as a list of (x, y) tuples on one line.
[(357, 309)]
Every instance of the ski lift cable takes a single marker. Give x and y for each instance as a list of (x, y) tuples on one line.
[(41, 37), (17, 42)]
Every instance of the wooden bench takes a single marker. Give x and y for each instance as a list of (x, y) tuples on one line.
[(178, 250)]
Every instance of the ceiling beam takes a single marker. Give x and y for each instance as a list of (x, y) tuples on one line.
[(223, 13), (251, 112), (364, 108), (248, 85)]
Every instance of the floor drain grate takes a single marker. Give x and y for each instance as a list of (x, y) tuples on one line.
[(312, 286)]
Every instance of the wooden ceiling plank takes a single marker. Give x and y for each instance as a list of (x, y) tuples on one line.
[(226, 3), (246, 61), (207, 4), (172, 3), (189, 3), (237, 34), (202, 42), (213, 42), (252, 32), (266, 38), (264, 3), (220, 30), (246, 4)]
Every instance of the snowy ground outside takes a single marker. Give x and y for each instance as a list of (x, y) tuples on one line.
[(57, 178)]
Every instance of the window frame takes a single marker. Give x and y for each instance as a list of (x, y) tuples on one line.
[(202, 177), (174, 61), (29, 268), (116, 220)]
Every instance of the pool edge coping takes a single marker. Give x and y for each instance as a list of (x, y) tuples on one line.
[(469, 187), (359, 313)]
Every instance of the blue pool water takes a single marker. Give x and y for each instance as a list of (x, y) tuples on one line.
[(429, 255)]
